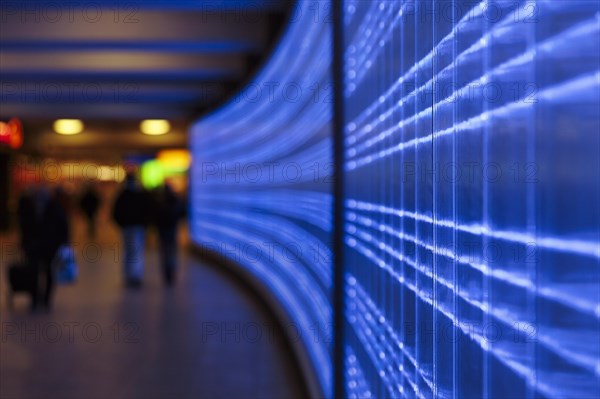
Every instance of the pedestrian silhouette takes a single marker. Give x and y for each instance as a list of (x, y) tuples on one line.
[(44, 229), (89, 204), (131, 213), (170, 210)]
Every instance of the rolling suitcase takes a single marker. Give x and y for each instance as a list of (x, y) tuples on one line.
[(21, 279)]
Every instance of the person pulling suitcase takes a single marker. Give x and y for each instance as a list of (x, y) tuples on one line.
[(44, 228)]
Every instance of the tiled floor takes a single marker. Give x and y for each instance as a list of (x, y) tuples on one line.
[(208, 337)]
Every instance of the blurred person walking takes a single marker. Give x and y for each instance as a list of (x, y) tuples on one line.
[(170, 210), (131, 213), (89, 204), (44, 229), (64, 198)]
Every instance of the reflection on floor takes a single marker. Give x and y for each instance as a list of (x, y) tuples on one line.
[(208, 337)]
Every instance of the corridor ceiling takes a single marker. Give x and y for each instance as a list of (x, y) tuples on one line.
[(127, 60)]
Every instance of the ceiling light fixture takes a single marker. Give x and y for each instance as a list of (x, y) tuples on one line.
[(68, 127), (155, 127)]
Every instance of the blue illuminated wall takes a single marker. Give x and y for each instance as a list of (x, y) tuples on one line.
[(472, 201), (261, 180), (472, 198)]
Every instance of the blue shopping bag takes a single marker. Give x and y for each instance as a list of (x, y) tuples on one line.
[(65, 265)]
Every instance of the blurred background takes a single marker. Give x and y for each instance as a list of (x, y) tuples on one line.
[(303, 198), (105, 68)]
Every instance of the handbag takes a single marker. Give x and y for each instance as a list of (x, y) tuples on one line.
[(65, 265)]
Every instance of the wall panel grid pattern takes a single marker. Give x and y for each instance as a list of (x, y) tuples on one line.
[(472, 199), (261, 180), (472, 202)]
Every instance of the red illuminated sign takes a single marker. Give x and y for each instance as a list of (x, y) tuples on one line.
[(11, 133)]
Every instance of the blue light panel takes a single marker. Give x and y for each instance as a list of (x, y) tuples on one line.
[(261, 179), (472, 216), (472, 221)]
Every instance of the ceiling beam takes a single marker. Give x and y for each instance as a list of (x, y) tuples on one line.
[(122, 62), (147, 26), (203, 5), (170, 47), (111, 96), (130, 76), (135, 111)]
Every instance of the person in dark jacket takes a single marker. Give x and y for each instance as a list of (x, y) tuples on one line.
[(44, 229), (89, 204), (131, 213), (170, 210)]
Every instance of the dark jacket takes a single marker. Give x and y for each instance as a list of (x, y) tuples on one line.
[(89, 203), (43, 229), (132, 208), (170, 210)]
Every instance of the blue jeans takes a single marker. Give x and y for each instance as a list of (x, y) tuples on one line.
[(168, 253), (133, 260)]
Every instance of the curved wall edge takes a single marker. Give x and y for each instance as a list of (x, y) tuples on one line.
[(257, 286), (261, 180)]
